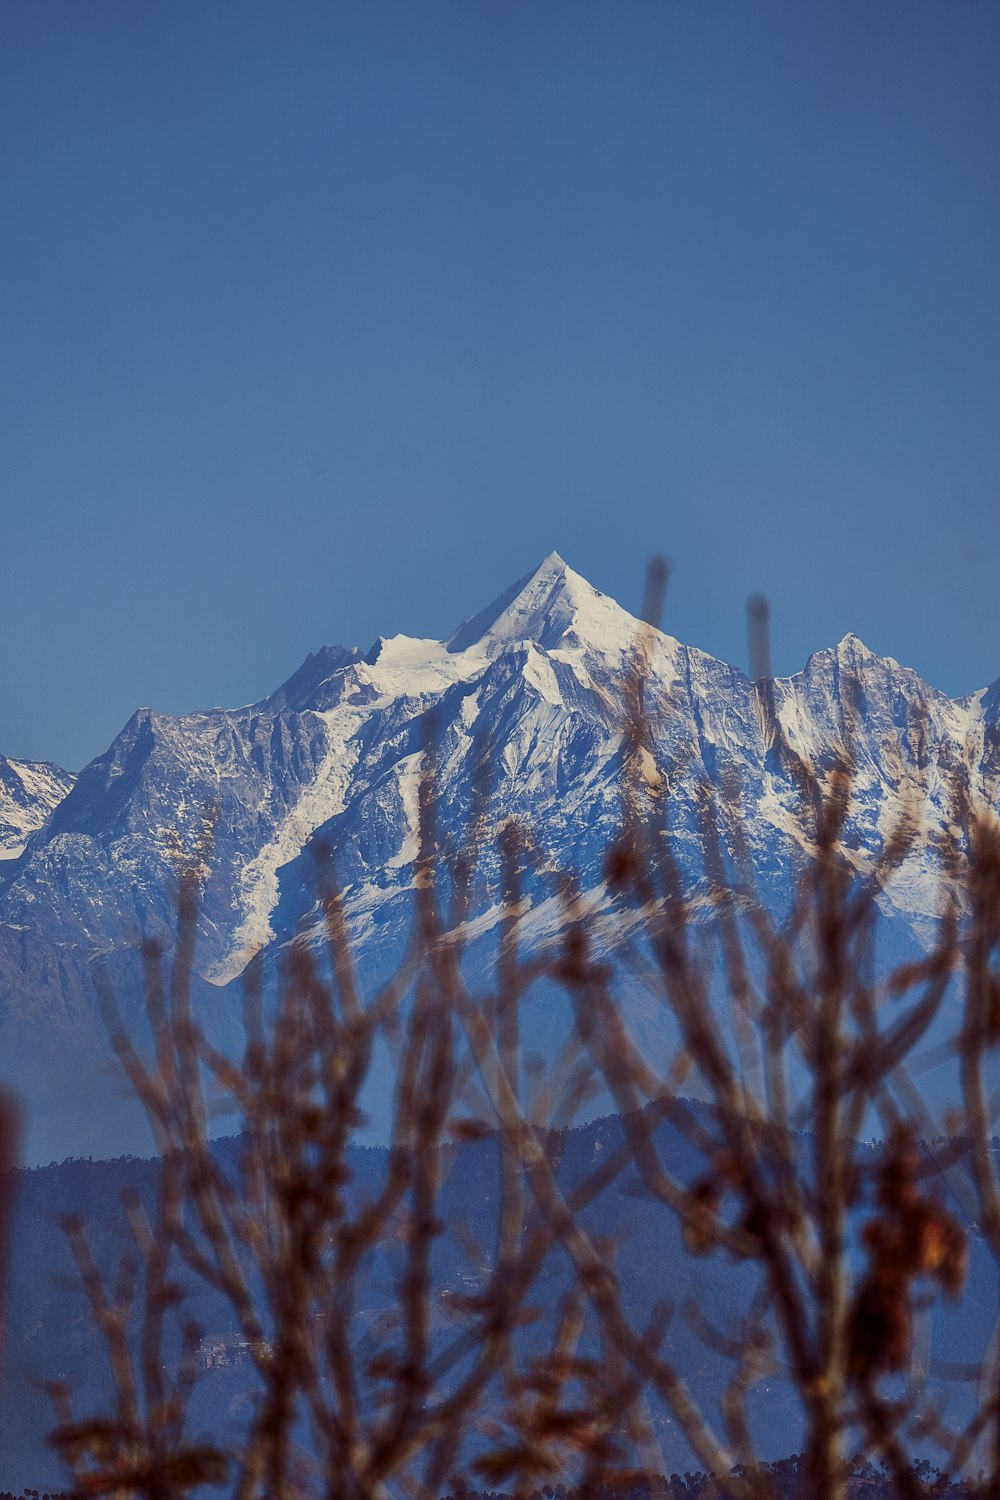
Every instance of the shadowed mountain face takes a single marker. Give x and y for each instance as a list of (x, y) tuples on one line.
[(527, 697)]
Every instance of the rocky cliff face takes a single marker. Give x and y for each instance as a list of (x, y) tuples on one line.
[(527, 697)]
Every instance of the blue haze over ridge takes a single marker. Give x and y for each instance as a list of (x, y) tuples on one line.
[(315, 322), (50, 1334), (533, 688)]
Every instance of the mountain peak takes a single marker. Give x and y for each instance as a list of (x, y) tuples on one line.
[(545, 606), (851, 658), (852, 645), (300, 689), (850, 651), (552, 565)]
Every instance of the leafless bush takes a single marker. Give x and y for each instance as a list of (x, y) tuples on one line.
[(346, 1408), (797, 1047), (812, 1052)]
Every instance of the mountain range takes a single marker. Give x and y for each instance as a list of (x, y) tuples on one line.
[(531, 694)]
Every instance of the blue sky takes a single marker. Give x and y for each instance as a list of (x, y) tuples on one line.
[(325, 320)]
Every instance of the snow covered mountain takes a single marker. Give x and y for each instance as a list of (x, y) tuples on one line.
[(530, 692), (29, 791)]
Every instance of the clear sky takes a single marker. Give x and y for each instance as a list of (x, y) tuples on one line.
[(325, 320)]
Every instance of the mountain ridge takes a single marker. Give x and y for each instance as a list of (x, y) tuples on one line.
[(529, 692)]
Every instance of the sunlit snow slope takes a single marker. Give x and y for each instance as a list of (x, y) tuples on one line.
[(29, 791)]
